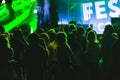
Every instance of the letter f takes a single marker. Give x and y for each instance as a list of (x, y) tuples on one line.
[(87, 11)]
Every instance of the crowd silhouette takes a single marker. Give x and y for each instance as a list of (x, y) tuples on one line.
[(60, 54)]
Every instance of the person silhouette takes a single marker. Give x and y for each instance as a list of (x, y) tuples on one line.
[(106, 51), (9, 7)]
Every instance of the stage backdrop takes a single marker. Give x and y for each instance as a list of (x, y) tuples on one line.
[(95, 12)]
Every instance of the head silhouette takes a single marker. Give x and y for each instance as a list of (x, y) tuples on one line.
[(61, 37), (2, 30), (33, 39), (91, 36), (108, 29)]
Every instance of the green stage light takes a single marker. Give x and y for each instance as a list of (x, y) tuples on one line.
[(24, 14)]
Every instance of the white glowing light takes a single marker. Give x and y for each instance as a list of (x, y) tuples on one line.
[(3, 1), (35, 11)]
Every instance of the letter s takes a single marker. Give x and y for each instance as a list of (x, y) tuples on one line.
[(116, 10)]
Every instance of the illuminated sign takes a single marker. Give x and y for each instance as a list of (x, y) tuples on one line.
[(99, 13)]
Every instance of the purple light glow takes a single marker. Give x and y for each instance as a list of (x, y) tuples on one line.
[(46, 10)]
